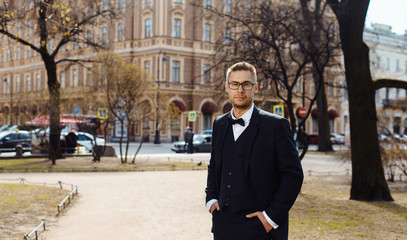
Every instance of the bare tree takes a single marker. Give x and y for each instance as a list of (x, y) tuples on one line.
[(46, 27), (124, 86)]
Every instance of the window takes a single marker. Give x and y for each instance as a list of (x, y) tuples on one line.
[(148, 27), (206, 73), (227, 36), (28, 84), (378, 59), (398, 65), (228, 7), (28, 52), (75, 78), (18, 53), (121, 3), (50, 45), (104, 35), (17, 85), (387, 63), (90, 9), (105, 5), (175, 71), (29, 26), (62, 79), (147, 68), (89, 77), (314, 124), (75, 41), (18, 28), (207, 32), (208, 4), (405, 67), (120, 32), (177, 1), (89, 37), (148, 1), (38, 82), (8, 57), (177, 28)]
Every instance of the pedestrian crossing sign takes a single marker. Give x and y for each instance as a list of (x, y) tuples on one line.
[(102, 113), (192, 116)]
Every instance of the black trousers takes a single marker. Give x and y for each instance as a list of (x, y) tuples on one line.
[(227, 225)]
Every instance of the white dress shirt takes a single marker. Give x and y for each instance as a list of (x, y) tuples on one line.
[(237, 131)]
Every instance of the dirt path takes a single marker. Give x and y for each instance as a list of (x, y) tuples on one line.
[(140, 205)]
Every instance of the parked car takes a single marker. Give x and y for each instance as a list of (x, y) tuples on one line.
[(86, 140), (202, 143), (10, 139), (337, 138)]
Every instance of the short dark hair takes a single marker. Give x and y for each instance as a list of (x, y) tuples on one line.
[(242, 66)]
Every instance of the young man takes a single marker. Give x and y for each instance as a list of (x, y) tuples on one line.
[(254, 174)]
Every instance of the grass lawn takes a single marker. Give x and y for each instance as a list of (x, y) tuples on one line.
[(23, 206), (85, 164), (323, 211)]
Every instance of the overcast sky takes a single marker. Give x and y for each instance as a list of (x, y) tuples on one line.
[(389, 12)]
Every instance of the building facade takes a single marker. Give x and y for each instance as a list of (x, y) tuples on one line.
[(388, 58), (171, 39)]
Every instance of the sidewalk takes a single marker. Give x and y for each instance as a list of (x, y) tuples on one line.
[(141, 205)]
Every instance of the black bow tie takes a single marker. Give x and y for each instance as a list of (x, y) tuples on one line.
[(238, 121)]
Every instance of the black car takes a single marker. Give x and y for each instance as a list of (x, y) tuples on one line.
[(10, 139)]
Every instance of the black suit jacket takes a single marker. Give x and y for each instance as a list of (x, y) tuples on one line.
[(272, 162)]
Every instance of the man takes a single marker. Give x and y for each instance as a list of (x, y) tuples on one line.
[(254, 174), (71, 141), (188, 137)]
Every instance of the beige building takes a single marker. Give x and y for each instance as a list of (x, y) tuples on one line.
[(388, 57), (169, 39)]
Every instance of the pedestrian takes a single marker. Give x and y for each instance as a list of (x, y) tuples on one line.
[(254, 173), (188, 136), (191, 142), (71, 141)]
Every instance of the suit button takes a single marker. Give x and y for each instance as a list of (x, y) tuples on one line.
[(228, 186), (230, 174)]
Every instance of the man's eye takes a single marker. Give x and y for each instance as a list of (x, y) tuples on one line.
[(246, 85)]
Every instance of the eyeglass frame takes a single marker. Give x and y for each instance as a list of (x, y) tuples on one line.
[(241, 84)]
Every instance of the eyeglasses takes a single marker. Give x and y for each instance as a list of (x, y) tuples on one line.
[(247, 86)]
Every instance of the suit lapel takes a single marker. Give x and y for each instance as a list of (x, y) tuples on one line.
[(223, 127), (252, 131)]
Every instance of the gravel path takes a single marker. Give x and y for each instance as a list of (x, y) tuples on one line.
[(141, 205)]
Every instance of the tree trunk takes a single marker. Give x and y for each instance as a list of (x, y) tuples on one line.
[(54, 109), (324, 133), (368, 181)]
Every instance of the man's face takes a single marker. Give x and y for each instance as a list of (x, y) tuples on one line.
[(241, 98)]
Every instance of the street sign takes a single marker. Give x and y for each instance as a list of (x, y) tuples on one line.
[(279, 110), (192, 116), (302, 112), (76, 110), (102, 113)]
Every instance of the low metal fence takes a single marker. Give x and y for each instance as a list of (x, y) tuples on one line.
[(67, 199), (27, 236)]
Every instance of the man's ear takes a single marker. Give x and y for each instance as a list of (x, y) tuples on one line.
[(226, 87), (256, 87)]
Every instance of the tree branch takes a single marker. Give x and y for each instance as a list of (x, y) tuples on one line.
[(389, 83)]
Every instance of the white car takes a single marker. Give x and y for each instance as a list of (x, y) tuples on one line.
[(86, 140)]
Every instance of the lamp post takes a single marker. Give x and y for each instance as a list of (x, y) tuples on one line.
[(11, 99), (157, 131)]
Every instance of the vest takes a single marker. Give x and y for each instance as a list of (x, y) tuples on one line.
[(236, 188)]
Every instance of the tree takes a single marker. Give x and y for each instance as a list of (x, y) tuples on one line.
[(46, 27), (123, 85), (291, 45), (368, 181)]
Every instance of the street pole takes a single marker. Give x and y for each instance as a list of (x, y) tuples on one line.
[(11, 100), (157, 131)]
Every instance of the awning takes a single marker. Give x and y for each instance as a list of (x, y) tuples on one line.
[(44, 120)]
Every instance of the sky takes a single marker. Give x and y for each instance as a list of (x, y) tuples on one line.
[(389, 12)]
